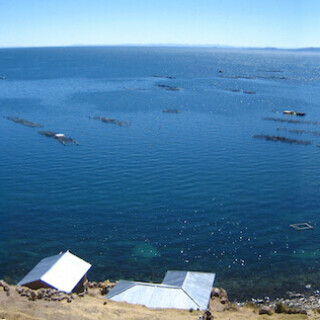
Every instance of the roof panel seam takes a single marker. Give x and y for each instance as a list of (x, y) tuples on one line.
[(191, 297)]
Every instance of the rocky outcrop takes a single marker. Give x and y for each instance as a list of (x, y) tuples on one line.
[(5, 287), (219, 300), (265, 310), (104, 286), (45, 294)]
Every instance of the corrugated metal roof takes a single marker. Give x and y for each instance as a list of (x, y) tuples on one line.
[(197, 285), (151, 295), (179, 290), (62, 272)]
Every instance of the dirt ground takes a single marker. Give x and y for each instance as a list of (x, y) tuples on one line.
[(96, 307)]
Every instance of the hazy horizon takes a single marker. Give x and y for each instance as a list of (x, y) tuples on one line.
[(173, 45), (285, 24)]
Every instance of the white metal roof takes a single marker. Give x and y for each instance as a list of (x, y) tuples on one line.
[(197, 285), (179, 290), (62, 272)]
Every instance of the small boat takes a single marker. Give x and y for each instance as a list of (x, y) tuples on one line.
[(294, 113)]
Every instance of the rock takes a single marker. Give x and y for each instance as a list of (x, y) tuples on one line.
[(265, 310), (296, 311), (104, 290), (219, 300), (55, 298), (280, 308), (5, 286), (207, 315), (215, 292)]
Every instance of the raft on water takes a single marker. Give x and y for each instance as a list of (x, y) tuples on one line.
[(170, 88), (291, 121), (171, 111), (24, 122), (164, 77), (301, 226), (58, 136), (315, 133), (240, 90), (111, 121), (281, 139)]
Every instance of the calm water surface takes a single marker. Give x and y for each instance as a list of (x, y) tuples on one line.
[(192, 191)]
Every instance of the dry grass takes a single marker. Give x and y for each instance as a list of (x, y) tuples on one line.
[(93, 307)]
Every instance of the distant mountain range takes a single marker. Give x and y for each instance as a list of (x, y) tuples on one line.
[(306, 49)]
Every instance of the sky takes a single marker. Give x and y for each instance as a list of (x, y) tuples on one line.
[(249, 23)]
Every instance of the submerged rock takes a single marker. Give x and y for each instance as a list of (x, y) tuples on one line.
[(111, 121), (58, 136), (24, 122)]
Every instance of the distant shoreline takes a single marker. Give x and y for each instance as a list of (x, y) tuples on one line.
[(186, 46)]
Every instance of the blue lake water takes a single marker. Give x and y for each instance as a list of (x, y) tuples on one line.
[(191, 191)]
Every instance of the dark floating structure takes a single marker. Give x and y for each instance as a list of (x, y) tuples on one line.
[(237, 77), (24, 122), (169, 88), (291, 121), (253, 78), (272, 77), (281, 139), (58, 136), (111, 121), (315, 133), (272, 71), (301, 226), (164, 77), (241, 91), (171, 111), (3, 78), (294, 113)]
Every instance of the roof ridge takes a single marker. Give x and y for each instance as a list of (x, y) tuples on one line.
[(184, 290), (150, 284), (195, 301)]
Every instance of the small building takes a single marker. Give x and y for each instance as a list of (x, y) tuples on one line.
[(178, 290), (64, 272)]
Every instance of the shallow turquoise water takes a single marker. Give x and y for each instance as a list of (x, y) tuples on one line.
[(189, 191)]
